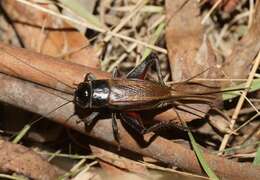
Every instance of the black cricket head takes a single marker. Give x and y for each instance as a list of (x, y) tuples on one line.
[(82, 95)]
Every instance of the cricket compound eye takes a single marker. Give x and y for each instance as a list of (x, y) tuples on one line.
[(82, 95)]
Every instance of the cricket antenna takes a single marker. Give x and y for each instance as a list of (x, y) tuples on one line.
[(70, 117), (35, 68), (47, 114)]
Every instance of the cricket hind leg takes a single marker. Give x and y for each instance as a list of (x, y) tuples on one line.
[(140, 71), (134, 126), (170, 124), (132, 120), (164, 125)]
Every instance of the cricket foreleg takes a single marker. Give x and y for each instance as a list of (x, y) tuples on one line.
[(89, 119), (89, 77), (115, 130)]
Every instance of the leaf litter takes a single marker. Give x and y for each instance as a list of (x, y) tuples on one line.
[(225, 48)]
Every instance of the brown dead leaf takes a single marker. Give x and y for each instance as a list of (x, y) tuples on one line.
[(189, 50), (239, 63), (49, 35), (226, 5), (19, 159), (230, 5)]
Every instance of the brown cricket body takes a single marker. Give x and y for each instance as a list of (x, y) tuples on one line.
[(126, 96)]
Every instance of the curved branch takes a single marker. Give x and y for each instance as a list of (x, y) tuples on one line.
[(42, 100)]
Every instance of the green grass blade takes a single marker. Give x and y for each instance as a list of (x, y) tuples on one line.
[(6, 176), (232, 149), (201, 158), (257, 157), (254, 86), (78, 9), (153, 40), (21, 134)]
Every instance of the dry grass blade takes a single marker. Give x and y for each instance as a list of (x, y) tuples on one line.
[(211, 11), (241, 101), (125, 20), (76, 7), (91, 26)]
